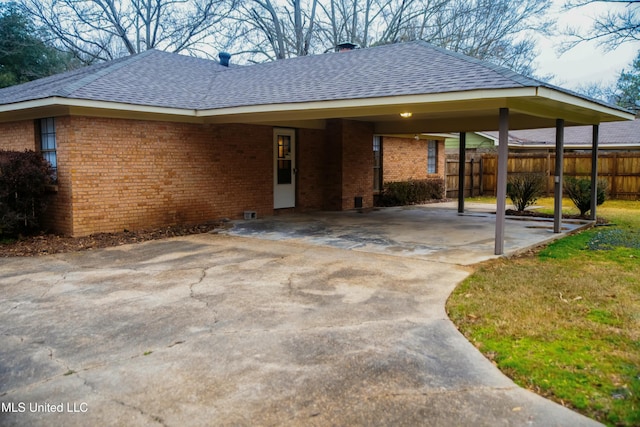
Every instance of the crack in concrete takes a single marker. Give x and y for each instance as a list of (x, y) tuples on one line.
[(51, 286), (152, 417), (435, 392), (192, 293), (69, 371), (58, 361)]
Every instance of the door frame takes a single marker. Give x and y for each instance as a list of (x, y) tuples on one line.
[(284, 195)]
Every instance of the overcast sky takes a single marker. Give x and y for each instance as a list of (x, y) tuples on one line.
[(588, 62)]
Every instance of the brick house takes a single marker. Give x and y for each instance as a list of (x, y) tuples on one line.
[(160, 138)]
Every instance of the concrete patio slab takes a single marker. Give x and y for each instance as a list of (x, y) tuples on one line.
[(435, 232), (225, 330)]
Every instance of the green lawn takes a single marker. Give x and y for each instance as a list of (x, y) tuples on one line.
[(565, 322)]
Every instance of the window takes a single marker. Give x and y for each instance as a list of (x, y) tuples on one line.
[(48, 142), (432, 157), (284, 159), (377, 163)]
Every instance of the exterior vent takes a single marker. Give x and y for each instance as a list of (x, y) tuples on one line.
[(224, 58), (346, 47)]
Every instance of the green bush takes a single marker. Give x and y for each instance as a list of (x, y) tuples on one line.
[(23, 179), (579, 191), (524, 189), (411, 192)]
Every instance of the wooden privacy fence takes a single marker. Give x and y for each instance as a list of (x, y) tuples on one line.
[(473, 185), (621, 170)]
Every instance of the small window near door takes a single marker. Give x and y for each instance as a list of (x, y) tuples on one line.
[(48, 142), (284, 159), (377, 163), (432, 157)]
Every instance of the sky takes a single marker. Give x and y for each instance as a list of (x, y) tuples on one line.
[(587, 63)]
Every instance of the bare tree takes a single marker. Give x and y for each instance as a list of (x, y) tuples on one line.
[(274, 30), (96, 30), (491, 30), (618, 25)]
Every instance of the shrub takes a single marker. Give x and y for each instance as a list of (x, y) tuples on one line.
[(524, 190), (579, 191), (23, 179), (412, 192)]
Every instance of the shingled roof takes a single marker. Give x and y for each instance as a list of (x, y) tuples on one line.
[(619, 135), (161, 79), (373, 84), (152, 78)]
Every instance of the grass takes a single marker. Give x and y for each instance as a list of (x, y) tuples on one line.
[(565, 321)]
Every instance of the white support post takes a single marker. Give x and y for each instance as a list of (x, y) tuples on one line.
[(501, 187)]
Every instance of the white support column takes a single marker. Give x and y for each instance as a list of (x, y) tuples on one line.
[(462, 156), (501, 187), (557, 194), (594, 171)]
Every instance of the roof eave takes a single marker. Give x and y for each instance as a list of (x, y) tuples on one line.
[(59, 106), (474, 110)]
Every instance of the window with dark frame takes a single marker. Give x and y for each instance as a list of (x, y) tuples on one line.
[(432, 156), (48, 142), (377, 163)]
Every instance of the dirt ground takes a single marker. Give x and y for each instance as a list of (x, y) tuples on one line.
[(46, 244)]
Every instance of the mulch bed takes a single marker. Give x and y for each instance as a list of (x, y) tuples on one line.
[(46, 244)]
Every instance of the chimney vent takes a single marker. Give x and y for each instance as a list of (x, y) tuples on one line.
[(345, 47), (224, 58)]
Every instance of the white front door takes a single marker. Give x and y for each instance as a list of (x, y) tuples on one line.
[(284, 168)]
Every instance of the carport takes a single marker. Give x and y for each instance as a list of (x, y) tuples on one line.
[(430, 90)]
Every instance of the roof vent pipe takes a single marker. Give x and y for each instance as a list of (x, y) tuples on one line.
[(224, 58), (346, 47)]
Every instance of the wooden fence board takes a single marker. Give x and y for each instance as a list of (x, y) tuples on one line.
[(620, 170)]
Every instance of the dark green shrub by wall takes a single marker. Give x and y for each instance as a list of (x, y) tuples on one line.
[(579, 191), (23, 180), (411, 192)]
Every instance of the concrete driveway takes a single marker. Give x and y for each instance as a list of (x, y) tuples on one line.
[(228, 330)]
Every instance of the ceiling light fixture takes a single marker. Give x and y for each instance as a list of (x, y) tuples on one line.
[(406, 115)]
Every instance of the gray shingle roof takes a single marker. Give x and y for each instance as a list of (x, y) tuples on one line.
[(161, 79), (610, 133)]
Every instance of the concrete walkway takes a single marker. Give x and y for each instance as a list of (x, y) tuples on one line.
[(227, 330)]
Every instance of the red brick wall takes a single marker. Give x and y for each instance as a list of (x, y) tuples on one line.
[(357, 163), (131, 174), (59, 215), (310, 163), (332, 188), (349, 164), (406, 159), (18, 136), (116, 174)]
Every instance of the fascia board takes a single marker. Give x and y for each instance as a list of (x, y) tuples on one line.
[(100, 105), (366, 104), (565, 98)]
